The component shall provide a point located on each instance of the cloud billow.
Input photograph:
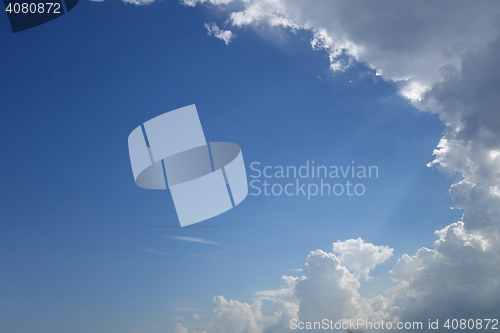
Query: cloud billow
(444, 56)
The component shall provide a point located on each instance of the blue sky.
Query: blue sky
(83, 249)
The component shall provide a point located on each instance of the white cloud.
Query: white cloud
(459, 278)
(225, 35)
(194, 240)
(443, 56)
(180, 329)
(359, 257)
(327, 290)
(285, 293)
(235, 317)
(406, 41)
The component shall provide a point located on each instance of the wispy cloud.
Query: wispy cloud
(225, 35)
(134, 2)
(156, 251)
(186, 309)
(194, 240)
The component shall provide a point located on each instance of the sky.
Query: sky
(411, 88)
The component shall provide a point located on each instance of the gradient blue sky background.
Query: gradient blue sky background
(83, 249)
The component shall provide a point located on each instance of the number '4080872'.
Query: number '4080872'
(471, 324)
(38, 7)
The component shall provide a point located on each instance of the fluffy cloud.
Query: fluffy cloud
(461, 276)
(404, 41)
(359, 257)
(329, 290)
(235, 317)
(180, 329)
(458, 279)
(467, 100)
(444, 58)
(326, 290)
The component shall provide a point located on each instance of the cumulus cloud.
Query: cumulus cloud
(443, 56)
(359, 257)
(235, 317)
(459, 278)
(406, 41)
(180, 329)
(467, 100)
(326, 290)
(284, 304)
(225, 35)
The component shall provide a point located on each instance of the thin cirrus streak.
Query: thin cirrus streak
(194, 240)
(156, 251)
